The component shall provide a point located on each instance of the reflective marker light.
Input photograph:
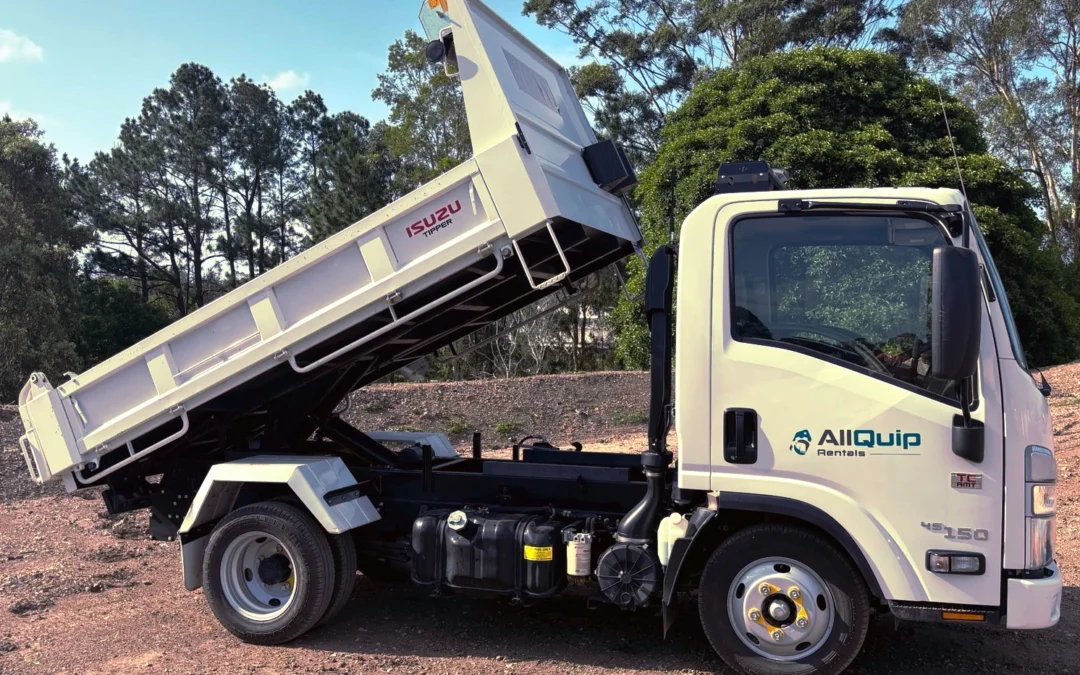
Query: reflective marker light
(962, 616)
(955, 562)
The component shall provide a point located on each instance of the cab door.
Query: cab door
(821, 343)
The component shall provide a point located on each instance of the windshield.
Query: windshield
(854, 288)
(999, 294)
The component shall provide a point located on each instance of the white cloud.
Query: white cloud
(15, 47)
(6, 108)
(287, 80)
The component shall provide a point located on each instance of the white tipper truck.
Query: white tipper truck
(858, 430)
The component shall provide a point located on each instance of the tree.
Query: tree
(110, 317)
(1018, 63)
(841, 118)
(648, 54)
(153, 198)
(39, 236)
(351, 176)
(427, 132)
(311, 128)
(254, 137)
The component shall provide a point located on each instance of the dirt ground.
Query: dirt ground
(84, 592)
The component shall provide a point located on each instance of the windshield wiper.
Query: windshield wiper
(950, 215)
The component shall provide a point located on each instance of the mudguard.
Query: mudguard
(324, 485)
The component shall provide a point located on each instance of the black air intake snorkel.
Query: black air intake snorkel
(639, 525)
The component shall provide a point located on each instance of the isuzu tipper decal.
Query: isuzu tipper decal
(434, 221)
(856, 442)
(440, 219)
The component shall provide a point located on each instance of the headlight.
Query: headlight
(1040, 540)
(1043, 498)
(1041, 474)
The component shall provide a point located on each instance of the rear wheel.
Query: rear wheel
(343, 549)
(778, 599)
(268, 573)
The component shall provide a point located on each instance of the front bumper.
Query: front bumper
(1034, 603)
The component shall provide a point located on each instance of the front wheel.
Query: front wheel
(779, 599)
(268, 572)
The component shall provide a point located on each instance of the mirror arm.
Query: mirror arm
(965, 400)
(968, 435)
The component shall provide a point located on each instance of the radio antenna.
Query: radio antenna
(944, 112)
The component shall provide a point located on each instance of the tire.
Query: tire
(343, 549)
(832, 603)
(268, 573)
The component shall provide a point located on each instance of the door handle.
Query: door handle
(740, 435)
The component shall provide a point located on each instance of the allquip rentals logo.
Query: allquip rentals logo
(857, 442)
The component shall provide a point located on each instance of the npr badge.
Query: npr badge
(967, 481)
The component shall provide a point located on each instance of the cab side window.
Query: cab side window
(854, 289)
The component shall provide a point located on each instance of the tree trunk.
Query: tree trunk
(230, 250)
(261, 229)
(140, 259)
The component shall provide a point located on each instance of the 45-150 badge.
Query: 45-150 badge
(959, 533)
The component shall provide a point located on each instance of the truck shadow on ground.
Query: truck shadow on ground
(402, 620)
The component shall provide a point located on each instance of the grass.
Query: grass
(506, 428)
(456, 427)
(1066, 401)
(628, 417)
(376, 407)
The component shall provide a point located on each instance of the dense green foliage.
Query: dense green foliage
(38, 239)
(842, 118)
(646, 55)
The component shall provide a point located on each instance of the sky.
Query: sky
(80, 68)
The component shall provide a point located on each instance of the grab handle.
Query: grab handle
(562, 256)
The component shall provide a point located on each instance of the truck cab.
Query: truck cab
(807, 388)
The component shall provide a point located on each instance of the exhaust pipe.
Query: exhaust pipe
(639, 525)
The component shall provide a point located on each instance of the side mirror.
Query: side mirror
(956, 313)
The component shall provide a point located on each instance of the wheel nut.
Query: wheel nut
(286, 586)
(262, 557)
(755, 615)
(777, 635)
(801, 622)
(765, 589)
(795, 594)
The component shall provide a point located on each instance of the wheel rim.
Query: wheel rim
(780, 609)
(257, 576)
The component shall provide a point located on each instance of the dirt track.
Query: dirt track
(82, 592)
